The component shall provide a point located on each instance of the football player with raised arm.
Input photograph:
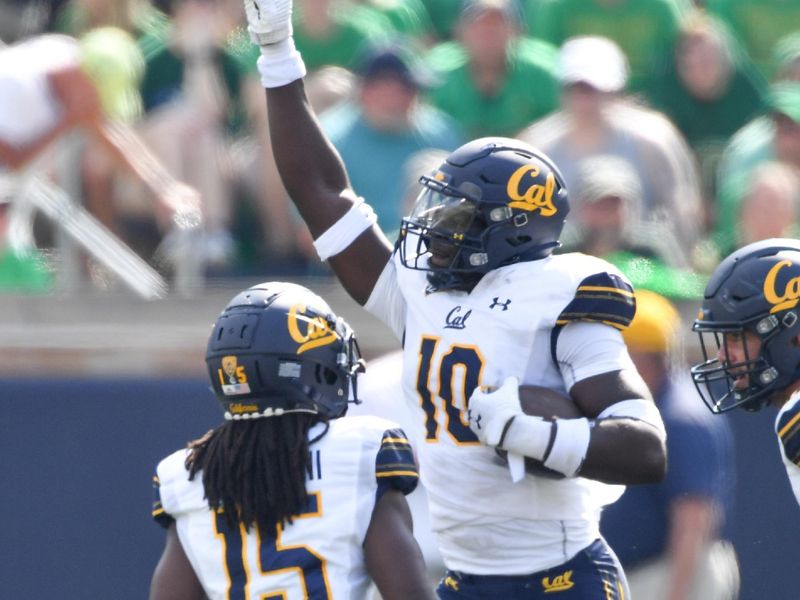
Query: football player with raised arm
(285, 499)
(749, 328)
(474, 293)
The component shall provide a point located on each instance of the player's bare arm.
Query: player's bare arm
(174, 578)
(316, 180)
(310, 167)
(622, 449)
(393, 558)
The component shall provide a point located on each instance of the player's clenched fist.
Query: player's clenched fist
(268, 21)
(490, 413)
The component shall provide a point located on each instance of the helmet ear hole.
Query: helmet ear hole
(325, 375)
(520, 240)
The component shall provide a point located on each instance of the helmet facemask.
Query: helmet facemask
(753, 291)
(449, 232)
(725, 385)
(442, 235)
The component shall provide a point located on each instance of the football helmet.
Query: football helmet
(278, 348)
(755, 289)
(492, 202)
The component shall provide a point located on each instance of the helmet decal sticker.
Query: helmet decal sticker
(232, 377)
(791, 292)
(536, 196)
(309, 332)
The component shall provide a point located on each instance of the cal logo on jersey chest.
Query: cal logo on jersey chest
(457, 317)
(461, 315)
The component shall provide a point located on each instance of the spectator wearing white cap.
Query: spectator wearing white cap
(596, 119)
(644, 29)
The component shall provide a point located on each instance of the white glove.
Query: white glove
(268, 21)
(490, 411)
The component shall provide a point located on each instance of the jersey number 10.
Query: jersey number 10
(459, 359)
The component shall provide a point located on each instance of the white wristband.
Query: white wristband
(527, 435)
(280, 64)
(570, 444)
(344, 232)
(561, 444)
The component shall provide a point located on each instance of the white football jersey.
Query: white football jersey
(318, 556)
(507, 325)
(787, 426)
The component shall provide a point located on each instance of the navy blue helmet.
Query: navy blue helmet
(278, 348)
(493, 202)
(755, 289)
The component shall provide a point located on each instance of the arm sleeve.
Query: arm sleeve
(584, 350)
(386, 302)
(395, 464)
(586, 340)
(160, 516)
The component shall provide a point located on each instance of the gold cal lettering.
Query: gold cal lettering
(317, 331)
(791, 293)
(536, 196)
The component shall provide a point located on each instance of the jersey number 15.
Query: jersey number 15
(274, 559)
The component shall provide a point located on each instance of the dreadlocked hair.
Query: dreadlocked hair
(254, 472)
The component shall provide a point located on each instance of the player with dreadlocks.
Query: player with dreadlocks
(243, 505)
(278, 449)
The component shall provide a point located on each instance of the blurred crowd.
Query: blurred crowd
(676, 126)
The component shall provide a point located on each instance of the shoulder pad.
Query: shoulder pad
(604, 298)
(395, 465)
(788, 429)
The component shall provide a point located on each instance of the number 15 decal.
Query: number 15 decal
(459, 361)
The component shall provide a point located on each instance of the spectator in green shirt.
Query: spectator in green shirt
(644, 29)
(759, 24)
(328, 32)
(492, 80)
(408, 18)
(710, 90)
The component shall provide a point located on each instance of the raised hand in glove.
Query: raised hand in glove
(268, 21)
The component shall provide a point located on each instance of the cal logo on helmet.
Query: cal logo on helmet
(789, 293)
(308, 332)
(536, 195)
(232, 377)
